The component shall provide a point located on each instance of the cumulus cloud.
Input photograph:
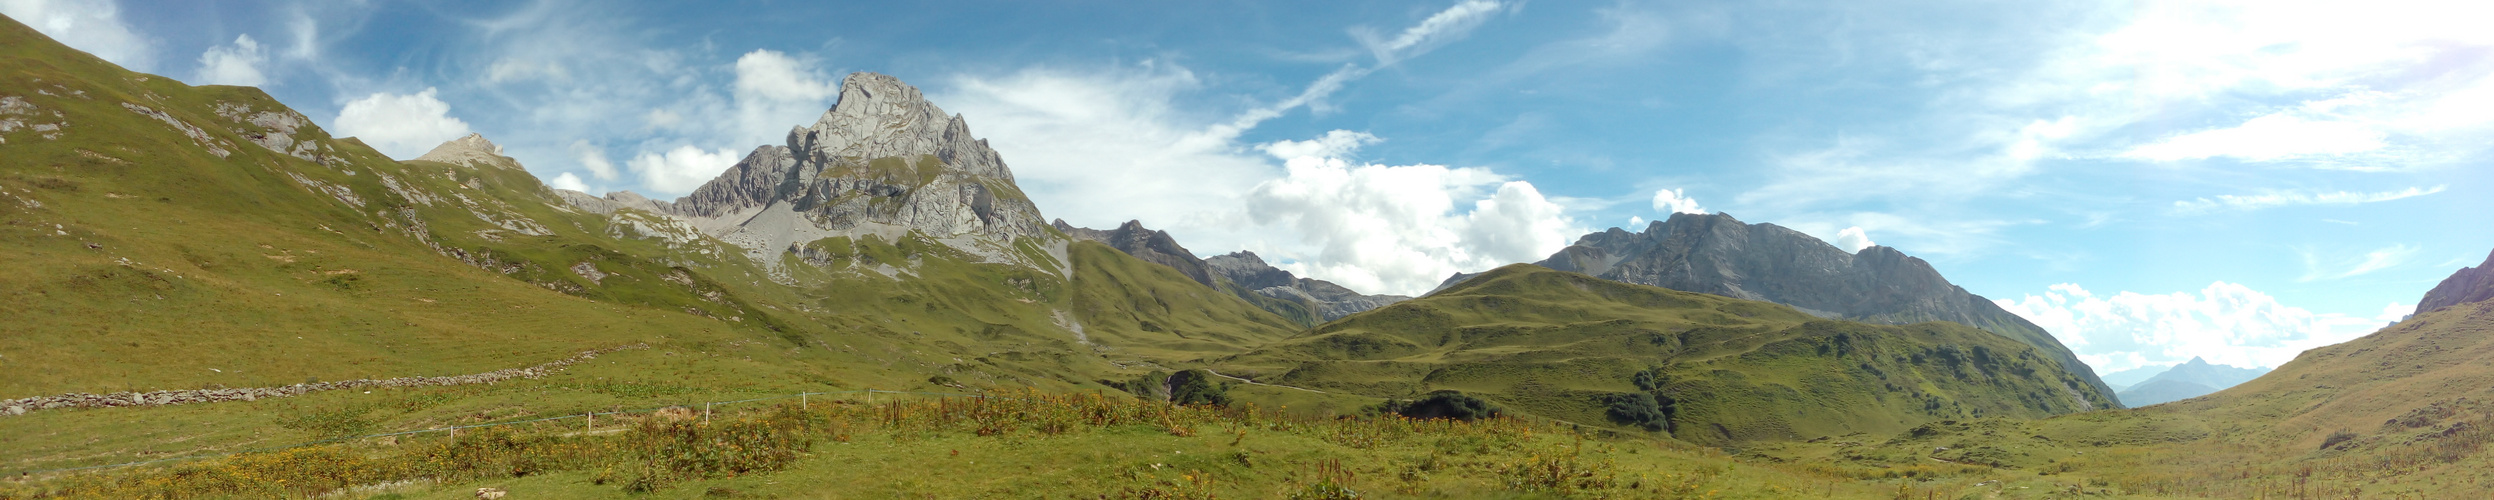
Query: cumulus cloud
(682, 169)
(772, 75)
(1398, 229)
(1440, 28)
(94, 26)
(1853, 239)
(1334, 144)
(237, 64)
(1674, 201)
(2289, 198)
(402, 126)
(567, 180)
(2226, 323)
(593, 158)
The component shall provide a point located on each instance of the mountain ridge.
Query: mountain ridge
(1718, 254)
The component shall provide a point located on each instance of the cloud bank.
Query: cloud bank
(2227, 323)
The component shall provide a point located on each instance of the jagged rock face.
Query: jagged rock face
(1721, 255)
(882, 161)
(885, 155)
(2470, 284)
(472, 150)
(1328, 300)
(753, 182)
(1152, 246)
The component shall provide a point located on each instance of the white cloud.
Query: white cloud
(1334, 144)
(772, 75)
(569, 181)
(1396, 229)
(2376, 260)
(2268, 138)
(593, 158)
(682, 169)
(94, 26)
(1445, 26)
(1853, 239)
(1636, 223)
(2227, 323)
(1674, 201)
(237, 64)
(2286, 198)
(402, 126)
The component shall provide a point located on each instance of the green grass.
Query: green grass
(1557, 345)
(1026, 445)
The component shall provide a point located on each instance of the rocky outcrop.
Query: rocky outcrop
(159, 398)
(2470, 284)
(1720, 255)
(473, 151)
(1327, 300)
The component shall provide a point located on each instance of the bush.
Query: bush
(1196, 387)
(1443, 404)
(1640, 409)
(1190, 387)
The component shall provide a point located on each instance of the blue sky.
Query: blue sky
(2150, 180)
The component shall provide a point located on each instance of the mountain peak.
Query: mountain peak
(469, 150)
(2470, 284)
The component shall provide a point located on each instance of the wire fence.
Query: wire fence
(453, 430)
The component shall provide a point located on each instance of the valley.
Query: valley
(207, 296)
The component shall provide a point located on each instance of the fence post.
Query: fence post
(803, 403)
(454, 434)
(870, 396)
(593, 421)
(705, 413)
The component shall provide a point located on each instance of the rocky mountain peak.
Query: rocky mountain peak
(883, 161)
(2470, 284)
(472, 150)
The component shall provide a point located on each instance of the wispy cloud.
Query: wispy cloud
(1445, 26)
(2289, 198)
(2315, 268)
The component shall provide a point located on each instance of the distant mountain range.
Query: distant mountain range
(1309, 301)
(2185, 381)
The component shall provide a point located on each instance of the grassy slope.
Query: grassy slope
(2409, 405)
(133, 259)
(1552, 343)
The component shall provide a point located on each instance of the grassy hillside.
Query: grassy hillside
(2401, 413)
(1565, 346)
(161, 236)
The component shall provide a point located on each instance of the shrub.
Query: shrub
(1196, 387)
(1640, 409)
(1444, 404)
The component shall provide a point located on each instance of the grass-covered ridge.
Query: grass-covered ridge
(1577, 348)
